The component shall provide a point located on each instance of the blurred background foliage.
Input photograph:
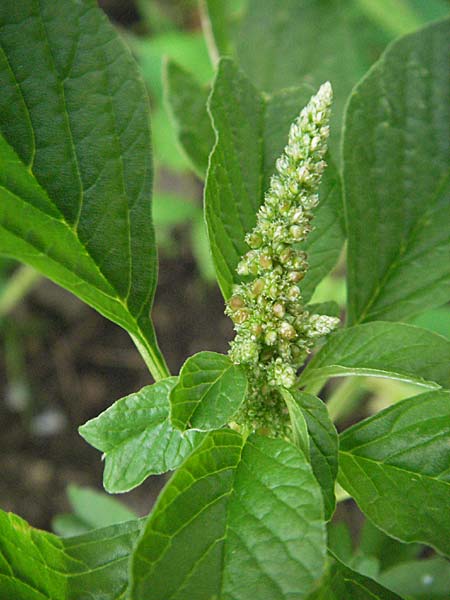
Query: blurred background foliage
(63, 364)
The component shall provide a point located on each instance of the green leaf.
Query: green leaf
(392, 350)
(75, 168)
(396, 146)
(240, 519)
(387, 550)
(187, 100)
(300, 435)
(35, 565)
(218, 20)
(323, 445)
(91, 510)
(419, 579)
(251, 132)
(340, 583)
(437, 319)
(404, 16)
(209, 391)
(396, 466)
(137, 438)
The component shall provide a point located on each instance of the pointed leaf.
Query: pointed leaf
(396, 466)
(323, 445)
(392, 350)
(238, 520)
(35, 565)
(300, 435)
(75, 168)
(396, 148)
(209, 391)
(251, 132)
(137, 438)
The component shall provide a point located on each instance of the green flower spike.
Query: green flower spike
(274, 331)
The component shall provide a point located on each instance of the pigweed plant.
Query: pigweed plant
(258, 463)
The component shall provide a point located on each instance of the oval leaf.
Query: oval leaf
(396, 147)
(396, 466)
(392, 350)
(36, 564)
(209, 392)
(137, 438)
(238, 520)
(241, 164)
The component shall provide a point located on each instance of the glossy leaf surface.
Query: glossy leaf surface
(396, 466)
(137, 438)
(209, 391)
(251, 132)
(75, 160)
(396, 147)
(323, 445)
(392, 350)
(249, 512)
(36, 565)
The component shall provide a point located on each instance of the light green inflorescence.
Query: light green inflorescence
(274, 331)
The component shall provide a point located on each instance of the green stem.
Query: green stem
(18, 286)
(151, 354)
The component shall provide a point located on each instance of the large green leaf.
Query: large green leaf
(35, 565)
(341, 583)
(396, 147)
(137, 438)
(396, 466)
(75, 160)
(240, 519)
(251, 132)
(209, 392)
(323, 446)
(393, 350)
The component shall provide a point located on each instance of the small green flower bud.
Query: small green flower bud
(236, 302)
(297, 232)
(286, 255)
(293, 293)
(278, 310)
(258, 287)
(284, 206)
(295, 276)
(265, 261)
(270, 338)
(254, 240)
(256, 329)
(242, 268)
(273, 291)
(240, 316)
(287, 331)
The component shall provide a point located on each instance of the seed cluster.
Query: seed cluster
(274, 331)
